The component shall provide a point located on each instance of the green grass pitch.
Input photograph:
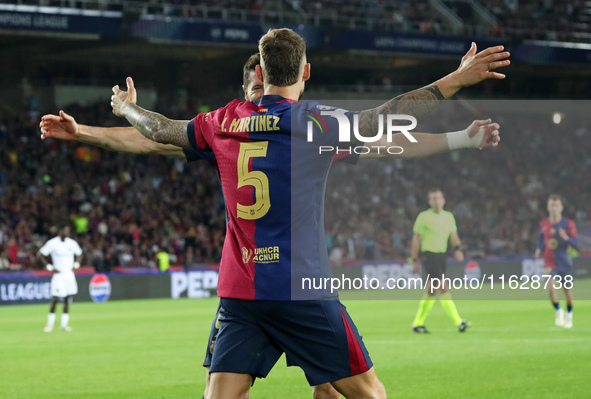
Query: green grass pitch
(153, 349)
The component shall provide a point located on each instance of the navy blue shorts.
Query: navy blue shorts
(318, 336)
(213, 334)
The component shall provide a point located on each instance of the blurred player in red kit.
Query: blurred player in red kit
(557, 233)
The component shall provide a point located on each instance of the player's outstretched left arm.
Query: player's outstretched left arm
(150, 124)
(120, 139)
(480, 134)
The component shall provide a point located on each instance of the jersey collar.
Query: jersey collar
(268, 99)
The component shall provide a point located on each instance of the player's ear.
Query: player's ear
(259, 72)
(307, 68)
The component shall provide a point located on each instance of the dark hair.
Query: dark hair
(434, 190)
(555, 197)
(250, 66)
(282, 52)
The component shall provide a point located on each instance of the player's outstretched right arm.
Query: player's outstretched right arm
(150, 124)
(474, 68)
(120, 139)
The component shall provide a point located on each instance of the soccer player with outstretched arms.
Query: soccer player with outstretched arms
(474, 68)
(128, 139)
(273, 181)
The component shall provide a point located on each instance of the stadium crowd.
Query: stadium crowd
(400, 16)
(127, 208)
(542, 20)
(124, 208)
(524, 19)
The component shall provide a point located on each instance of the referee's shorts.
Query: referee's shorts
(434, 264)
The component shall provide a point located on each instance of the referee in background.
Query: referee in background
(432, 231)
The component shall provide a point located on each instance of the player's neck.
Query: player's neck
(290, 92)
(555, 218)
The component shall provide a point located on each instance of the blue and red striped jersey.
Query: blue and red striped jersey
(273, 180)
(554, 246)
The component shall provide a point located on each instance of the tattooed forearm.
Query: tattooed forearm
(417, 103)
(156, 127)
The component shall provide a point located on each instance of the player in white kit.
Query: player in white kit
(66, 256)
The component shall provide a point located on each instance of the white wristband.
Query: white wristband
(457, 140)
(49, 267)
(76, 265)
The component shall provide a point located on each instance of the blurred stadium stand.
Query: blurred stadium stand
(556, 20)
(560, 20)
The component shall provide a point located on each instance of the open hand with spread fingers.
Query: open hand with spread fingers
(476, 67)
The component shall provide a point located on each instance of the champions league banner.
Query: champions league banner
(191, 30)
(25, 290)
(59, 20)
(407, 43)
(183, 30)
(193, 283)
(543, 52)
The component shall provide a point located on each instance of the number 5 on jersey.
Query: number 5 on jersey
(256, 178)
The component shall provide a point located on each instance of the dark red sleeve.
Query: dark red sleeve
(197, 130)
(201, 129)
